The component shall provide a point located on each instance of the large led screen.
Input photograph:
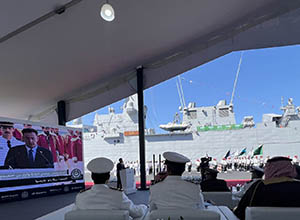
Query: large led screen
(37, 159)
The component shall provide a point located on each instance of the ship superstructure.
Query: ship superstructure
(203, 130)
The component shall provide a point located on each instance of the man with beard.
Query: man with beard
(7, 140)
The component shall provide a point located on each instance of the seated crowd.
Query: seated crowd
(278, 188)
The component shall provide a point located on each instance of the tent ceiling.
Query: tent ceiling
(78, 57)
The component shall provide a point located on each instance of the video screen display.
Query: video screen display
(39, 156)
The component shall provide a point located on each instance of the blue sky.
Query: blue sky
(266, 75)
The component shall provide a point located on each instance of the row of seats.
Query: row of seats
(218, 198)
(252, 213)
(154, 215)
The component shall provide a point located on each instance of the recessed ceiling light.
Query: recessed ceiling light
(107, 12)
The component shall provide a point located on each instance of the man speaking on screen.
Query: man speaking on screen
(29, 155)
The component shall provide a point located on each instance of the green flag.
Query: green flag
(258, 151)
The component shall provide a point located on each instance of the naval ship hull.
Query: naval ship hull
(283, 141)
(211, 130)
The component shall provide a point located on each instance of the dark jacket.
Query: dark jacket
(120, 166)
(215, 185)
(17, 157)
(276, 192)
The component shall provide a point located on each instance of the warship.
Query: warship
(204, 130)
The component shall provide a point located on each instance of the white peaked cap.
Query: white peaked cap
(175, 157)
(100, 165)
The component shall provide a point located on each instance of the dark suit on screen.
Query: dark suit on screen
(17, 157)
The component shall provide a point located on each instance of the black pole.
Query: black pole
(140, 92)
(154, 171)
(159, 156)
(61, 112)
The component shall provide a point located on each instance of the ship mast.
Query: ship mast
(236, 78)
(180, 92)
(180, 99)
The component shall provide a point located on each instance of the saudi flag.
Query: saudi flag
(258, 151)
(243, 152)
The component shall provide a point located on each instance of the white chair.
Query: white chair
(97, 214)
(219, 198)
(224, 211)
(187, 214)
(272, 213)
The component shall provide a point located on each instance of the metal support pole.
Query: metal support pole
(140, 92)
(154, 171)
(61, 113)
(159, 156)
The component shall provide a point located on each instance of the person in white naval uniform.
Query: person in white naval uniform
(7, 140)
(174, 192)
(100, 196)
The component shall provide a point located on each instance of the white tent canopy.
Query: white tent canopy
(78, 57)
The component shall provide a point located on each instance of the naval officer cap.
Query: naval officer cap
(175, 157)
(100, 165)
(6, 124)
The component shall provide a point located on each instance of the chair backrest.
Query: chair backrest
(187, 214)
(97, 214)
(219, 198)
(272, 213)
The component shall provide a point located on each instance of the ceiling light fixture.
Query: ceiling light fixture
(107, 12)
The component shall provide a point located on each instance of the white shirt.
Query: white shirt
(174, 192)
(4, 148)
(100, 196)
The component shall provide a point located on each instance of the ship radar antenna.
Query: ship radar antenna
(236, 78)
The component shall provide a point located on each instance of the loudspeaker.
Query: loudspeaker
(61, 112)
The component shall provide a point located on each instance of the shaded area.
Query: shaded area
(34, 208)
